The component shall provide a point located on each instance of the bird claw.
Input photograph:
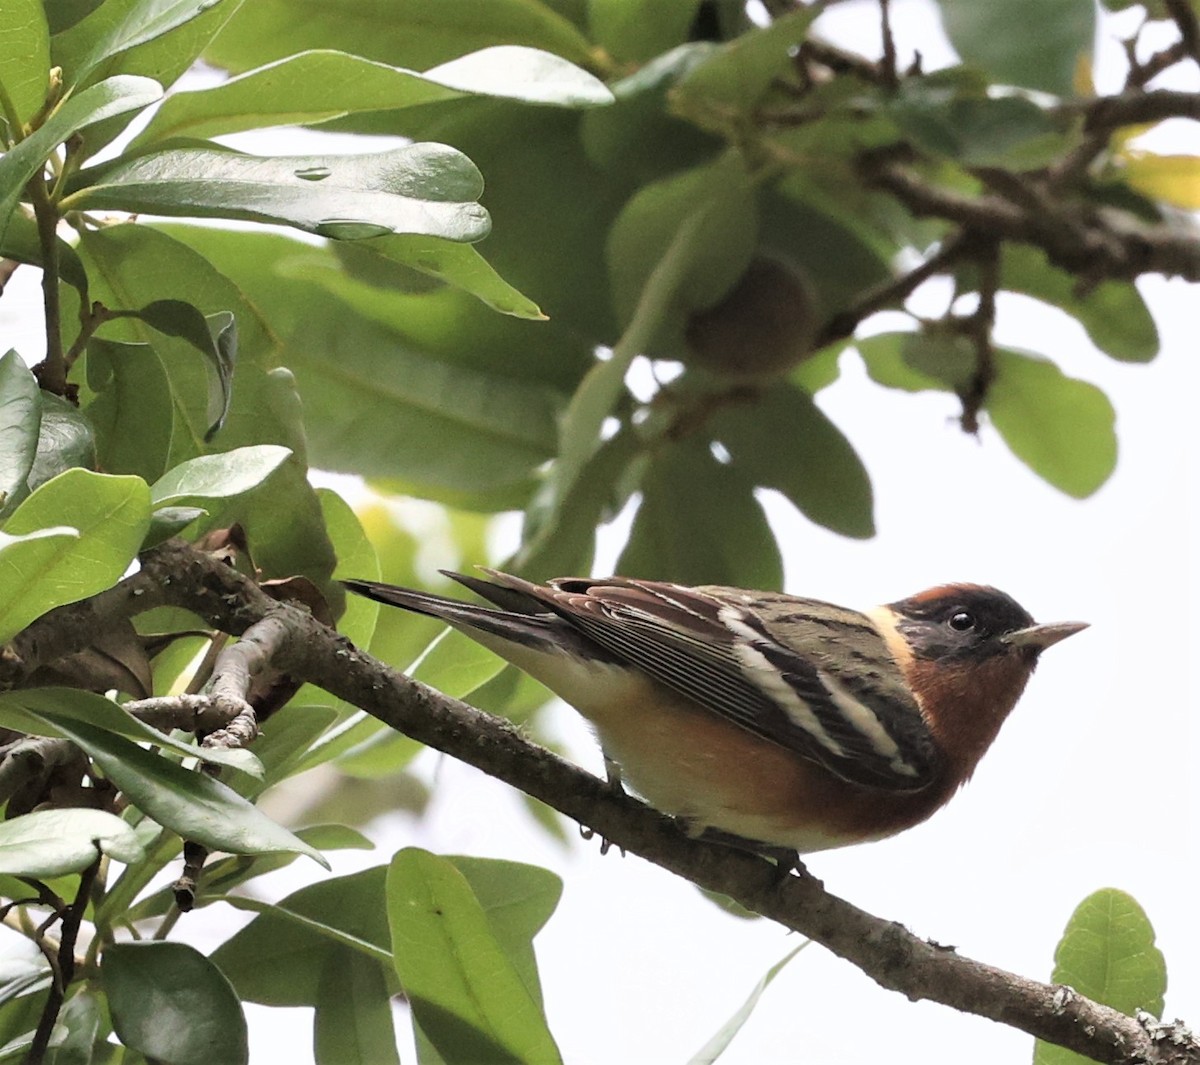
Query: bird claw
(786, 859)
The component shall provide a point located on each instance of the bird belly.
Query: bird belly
(690, 762)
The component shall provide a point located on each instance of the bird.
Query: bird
(760, 718)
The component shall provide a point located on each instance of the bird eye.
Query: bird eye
(962, 621)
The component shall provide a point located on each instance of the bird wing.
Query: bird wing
(815, 679)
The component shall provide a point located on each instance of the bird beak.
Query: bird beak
(1039, 637)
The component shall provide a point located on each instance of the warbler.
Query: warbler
(782, 721)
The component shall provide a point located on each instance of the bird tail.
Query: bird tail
(520, 618)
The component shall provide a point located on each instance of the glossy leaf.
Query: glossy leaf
(21, 243)
(1107, 953)
(25, 57)
(1060, 427)
(214, 336)
(455, 264)
(20, 417)
(172, 1004)
(164, 58)
(66, 440)
(39, 710)
(699, 523)
(133, 410)
(117, 26)
(1056, 34)
(353, 1022)
(219, 476)
(110, 514)
(279, 957)
(136, 264)
(426, 189)
(114, 96)
(1113, 313)
(784, 441)
(194, 805)
(315, 86)
(464, 991)
(49, 843)
(412, 32)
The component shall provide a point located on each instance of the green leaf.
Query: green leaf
(1113, 313)
(682, 533)
(455, 664)
(719, 1043)
(214, 336)
(1055, 35)
(315, 86)
(169, 1002)
(20, 418)
(738, 74)
(23, 559)
(38, 711)
(117, 26)
(426, 189)
(517, 899)
(21, 242)
(784, 441)
(464, 991)
(716, 255)
(165, 58)
(134, 409)
(1006, 131)
(111, 516)
(220, 476)
(1060, 427)
(279, 957)
(413, 32)
(66, 440)
(455, 264)
(378, 407)
(638, 30)
(136, 264)
(1107, 953)
(560, 531)
(884, 357)
(353, 1023)
(115, 96)
(50, 843)
(195, 806)
(25, 58)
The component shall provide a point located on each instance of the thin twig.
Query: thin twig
(891, 293)
(71, 922)
(887, 65)
(979, 329)
(1189, 29)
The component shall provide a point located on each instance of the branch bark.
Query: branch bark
(178, 575)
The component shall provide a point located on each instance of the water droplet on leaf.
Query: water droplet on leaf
(350, 229)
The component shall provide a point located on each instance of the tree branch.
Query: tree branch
(176, 574)
(1095, 243)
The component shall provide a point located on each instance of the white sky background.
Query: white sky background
(1090, 784)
